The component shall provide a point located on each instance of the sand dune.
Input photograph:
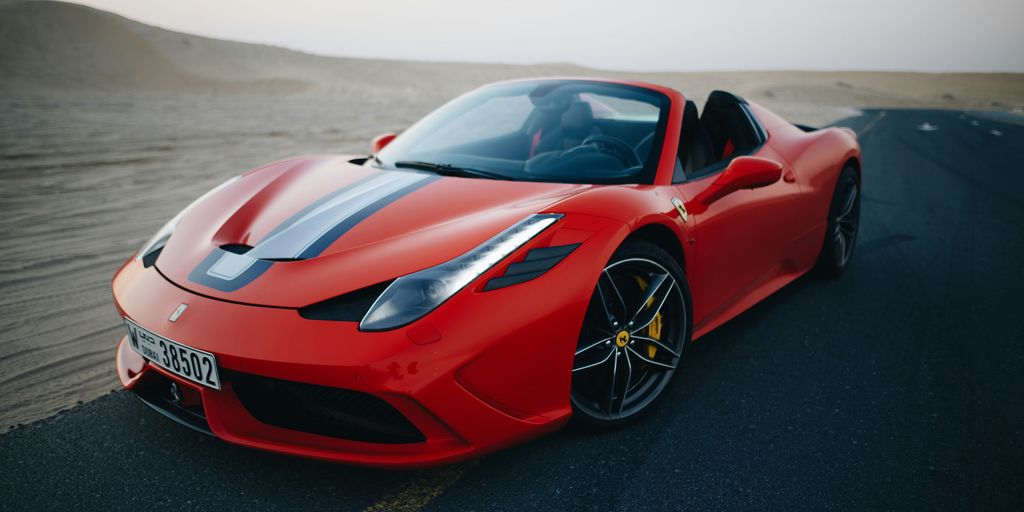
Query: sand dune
(108, 127)
(58, 48)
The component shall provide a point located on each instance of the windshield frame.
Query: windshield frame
(645, 176)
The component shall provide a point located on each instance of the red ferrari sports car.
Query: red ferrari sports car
(532, 252)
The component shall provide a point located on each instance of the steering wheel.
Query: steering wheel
(615, 147)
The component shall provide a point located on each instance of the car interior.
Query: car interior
(569, 136)
(709, 141)
(566, 136)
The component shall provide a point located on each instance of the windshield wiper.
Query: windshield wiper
(448, 169)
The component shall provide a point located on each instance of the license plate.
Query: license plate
(193, 364)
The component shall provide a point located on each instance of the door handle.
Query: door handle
(789, 177)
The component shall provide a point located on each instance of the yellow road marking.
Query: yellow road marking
(421, 489)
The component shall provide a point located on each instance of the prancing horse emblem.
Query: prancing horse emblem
(175, 393)
(177, 312)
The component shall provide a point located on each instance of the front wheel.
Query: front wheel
(632, 337)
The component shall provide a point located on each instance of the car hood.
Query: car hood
(308, 229)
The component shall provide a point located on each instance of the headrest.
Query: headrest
(550, 102)
(690, 119)
(578, 120)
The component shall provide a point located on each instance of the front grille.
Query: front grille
(185, 408)
(322, 410)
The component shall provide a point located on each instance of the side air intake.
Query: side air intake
(351, 307)
(536, 263)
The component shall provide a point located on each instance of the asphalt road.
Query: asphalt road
(898, 386)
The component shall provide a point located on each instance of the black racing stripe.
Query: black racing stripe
(150, 258)
(325, 241)
(199, 274)
(316, 204)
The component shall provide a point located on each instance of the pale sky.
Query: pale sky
(661, 35)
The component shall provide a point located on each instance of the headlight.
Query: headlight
(152, 247)
(413, 296)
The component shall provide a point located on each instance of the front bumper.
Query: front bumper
(485, 371)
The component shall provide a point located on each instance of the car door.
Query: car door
(741, 241)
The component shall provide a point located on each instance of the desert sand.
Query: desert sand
(108, 127)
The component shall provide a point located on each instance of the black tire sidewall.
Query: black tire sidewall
(827, 266)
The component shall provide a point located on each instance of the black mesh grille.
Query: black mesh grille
(155, 391)
(323, 410)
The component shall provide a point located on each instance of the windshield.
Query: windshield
(572, 131)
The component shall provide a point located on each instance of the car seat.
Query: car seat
(698, 151)
(577, 123)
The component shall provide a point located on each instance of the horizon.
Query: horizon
(462, 34)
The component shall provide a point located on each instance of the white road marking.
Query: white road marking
(871, 124)
(927, 127)
(997, 133)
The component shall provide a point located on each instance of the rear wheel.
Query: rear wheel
(632, 338)
(843, 225)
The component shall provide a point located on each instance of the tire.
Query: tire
(843, 226)
(632, 337)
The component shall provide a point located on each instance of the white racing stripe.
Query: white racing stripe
(291, 241)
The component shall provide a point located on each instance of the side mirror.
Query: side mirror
(749, 172)
(379, 142)
(744, 172)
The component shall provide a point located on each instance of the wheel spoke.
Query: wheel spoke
(604, 305)
(641, 323)
(841, 247)
(622, 302)
(847, 227)
(592, 345)
(599, 363)
(656, 342)
(851, 199)
(649, 360)
(652, 288)
(611, 387)
(625, 387)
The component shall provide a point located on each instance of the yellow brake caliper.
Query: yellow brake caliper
(653, 330)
